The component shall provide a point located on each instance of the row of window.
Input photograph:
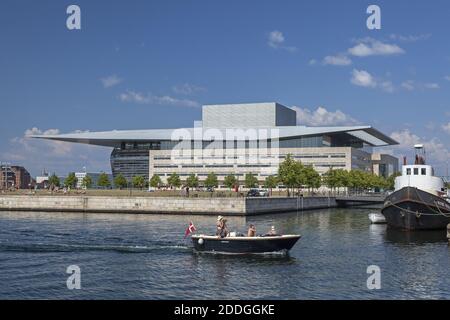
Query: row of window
(423, 171)
(171, 166)
(168, 166)
(296, 156)
(202, 174)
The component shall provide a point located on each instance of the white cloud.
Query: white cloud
(447, 78)
(110, 81)
(405, 138)
(387, 86)
(339, 60)
(312, 62)
(437, 152)
(431, 86)
(149, 98)
(363, 78)
(446, 127)
(276, 40)
(371, 47)
(408, 85)
(187, 89)
(410, 38)
(322, 117)
(55, 156)
(36, 131)
(411, 85)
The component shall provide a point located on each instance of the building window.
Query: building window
(416, 171)
(423, 171)
(408, 171)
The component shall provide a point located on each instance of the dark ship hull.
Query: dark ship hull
(414, 209)
(244, 245)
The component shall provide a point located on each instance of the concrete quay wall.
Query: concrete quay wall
(170, 205)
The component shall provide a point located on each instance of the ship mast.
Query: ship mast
(420, 154)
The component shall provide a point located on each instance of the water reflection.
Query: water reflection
(415, 237)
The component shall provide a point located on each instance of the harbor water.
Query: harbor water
(127, 256)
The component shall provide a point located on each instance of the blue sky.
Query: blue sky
(152, 64)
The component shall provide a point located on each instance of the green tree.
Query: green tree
(174, 180)
(53, 180)
(291, 173)
(230, 181)
(330, 179)
(120, 181)
(250, 181)
(192, 181)
(342, 178)
(103, 180)
(271, 182)
(86, 183)
(211, 180)
(381, 182)
(155, 181)
(356, 180)
(286, 173)
(138, 182)
(71, 180)
(390, 181)
(312, 178)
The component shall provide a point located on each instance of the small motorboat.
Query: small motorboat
(244, 245)
(377, 218)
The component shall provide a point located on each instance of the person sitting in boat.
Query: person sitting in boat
(272, 231)
(251, 231)
(222, 230)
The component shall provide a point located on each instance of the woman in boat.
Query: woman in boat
(222, 230)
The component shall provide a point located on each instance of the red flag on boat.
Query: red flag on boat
(190, 229)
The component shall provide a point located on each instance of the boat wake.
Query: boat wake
(44, 247)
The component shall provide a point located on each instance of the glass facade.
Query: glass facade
(130, 163)
(303, 142)
(132, 158)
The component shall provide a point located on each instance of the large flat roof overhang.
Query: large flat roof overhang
(115, 138)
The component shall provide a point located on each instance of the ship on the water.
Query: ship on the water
(420, 200)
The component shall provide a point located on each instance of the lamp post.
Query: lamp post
(2, 175)
(130, 187)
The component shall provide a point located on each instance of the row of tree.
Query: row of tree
(211, 181)
(103, 181)
(291, 173)
(357, 180)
